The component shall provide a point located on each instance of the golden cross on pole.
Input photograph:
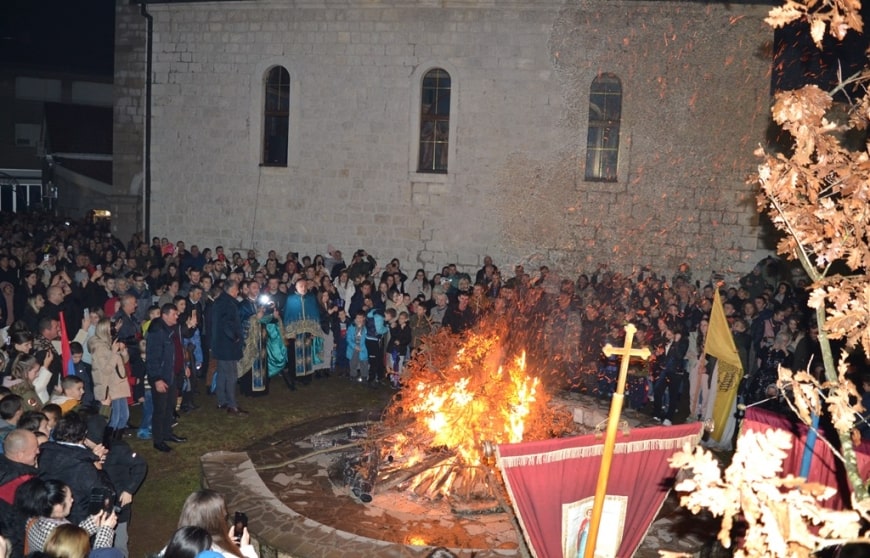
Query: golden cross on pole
(610, 438)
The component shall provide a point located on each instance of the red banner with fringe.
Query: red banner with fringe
(825, 468)
(552, 485)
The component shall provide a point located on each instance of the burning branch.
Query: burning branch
(462, 393)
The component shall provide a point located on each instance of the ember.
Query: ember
(461, 396)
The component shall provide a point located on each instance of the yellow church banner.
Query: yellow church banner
(720, 344)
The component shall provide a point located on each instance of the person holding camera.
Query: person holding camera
(126, 470)
(129, 332)
(264, 353)
(53, 507)
(208, 510)
(111, 388)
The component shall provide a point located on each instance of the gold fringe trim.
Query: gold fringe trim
(303, 326)
(594, 451)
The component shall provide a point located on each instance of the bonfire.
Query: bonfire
(461, 397)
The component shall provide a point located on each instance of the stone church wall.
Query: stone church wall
(127, 128)
(695, 81)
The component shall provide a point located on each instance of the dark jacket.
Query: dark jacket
(126, 469)
(361, 267)
(74, 466)
(13, 474)
(13, 524)
(160, 352)
(226, 329)
(458, 320)
(673, 361)
(400, 338)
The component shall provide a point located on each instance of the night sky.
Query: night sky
(78, 35)
(798, 62)
(58, 35)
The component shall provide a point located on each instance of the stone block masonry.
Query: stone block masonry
(693, 90)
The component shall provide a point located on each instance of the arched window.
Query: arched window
(434, 121)
(276, 114)
(602, 142)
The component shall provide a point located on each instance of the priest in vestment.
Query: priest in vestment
(302, 330)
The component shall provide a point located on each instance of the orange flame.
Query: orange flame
(477, 400)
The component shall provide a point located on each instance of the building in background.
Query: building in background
(535, 130)
(56, 110)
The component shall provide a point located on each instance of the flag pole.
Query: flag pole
(610, 437)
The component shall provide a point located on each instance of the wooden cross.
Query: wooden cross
(610, 438)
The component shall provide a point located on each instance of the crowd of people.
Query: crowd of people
(154, 323)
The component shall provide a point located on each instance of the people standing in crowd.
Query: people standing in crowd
(400, 343)
(45, 352)
(672, 373)
(128, 330)
(111, 387)
(328, 310)
(18, 462)
(459, 316)
(356, 351)
(30, 316)
(226, 343)
(164, 365)
(72, 458)
(375, 329)
(602, 305)
(19, 341)
(126, 470)
(438, 311)
(302, 329)
(253, 373)
(421, 325)
(197, 343)
(29, 288)
(27, 380)
(55, 508)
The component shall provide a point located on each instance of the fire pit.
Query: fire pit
(437, 438)
(325, 485)
(420, 475)
(423, 474)
(296, 510)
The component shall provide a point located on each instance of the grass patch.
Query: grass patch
(173, 476)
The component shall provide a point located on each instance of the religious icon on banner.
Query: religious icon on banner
(575, 527)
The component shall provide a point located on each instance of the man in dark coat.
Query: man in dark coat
(459, 316)
(226, 346)
(126, 469)
(164, 366)
(73, 463)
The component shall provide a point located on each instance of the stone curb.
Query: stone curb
(284, 533)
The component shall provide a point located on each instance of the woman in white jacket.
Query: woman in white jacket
(346, 288)
(420, 286)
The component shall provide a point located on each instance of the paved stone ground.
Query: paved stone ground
(297, 509)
